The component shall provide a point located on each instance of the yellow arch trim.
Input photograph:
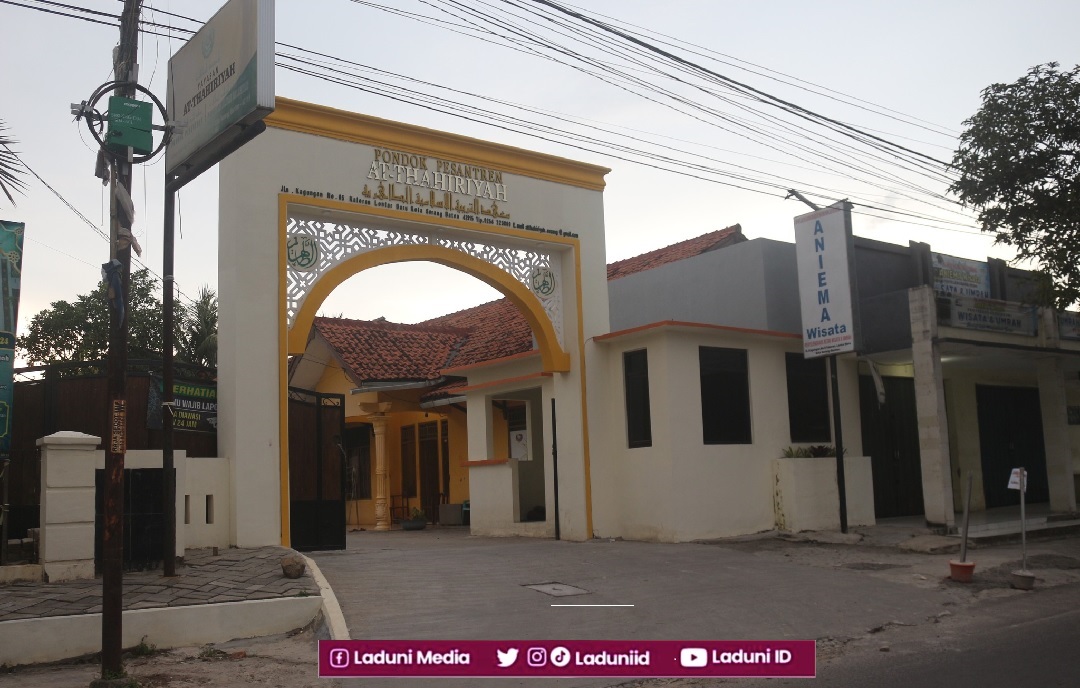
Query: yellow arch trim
(554, 359)
(319, 120)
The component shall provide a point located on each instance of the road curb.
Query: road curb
(335, 620)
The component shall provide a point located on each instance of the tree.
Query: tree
(79, 331)
(198, 341)
(10, 166)
(1019, 167)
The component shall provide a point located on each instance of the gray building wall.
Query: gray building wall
(752, 284)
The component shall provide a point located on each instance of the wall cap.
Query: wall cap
(68, 437)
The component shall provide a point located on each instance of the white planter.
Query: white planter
(805, 495)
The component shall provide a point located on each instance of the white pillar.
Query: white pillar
(67, 505)
(1059, 472)
(252, 397)
(382, 477)
(930, 410)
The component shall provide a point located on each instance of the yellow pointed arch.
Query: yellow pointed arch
(553, 358)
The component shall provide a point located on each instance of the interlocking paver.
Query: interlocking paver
(234, 575)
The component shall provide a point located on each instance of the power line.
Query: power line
(529, 34)
(707, 52)
(591, 143)
(778, 102)
(82, 217)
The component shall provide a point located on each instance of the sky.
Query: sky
(926, 60)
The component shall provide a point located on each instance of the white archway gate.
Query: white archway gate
(324, 194)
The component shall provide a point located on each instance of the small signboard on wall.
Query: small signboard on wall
(993, 316)
(960, 277)
(1068, 325)
(519, 445)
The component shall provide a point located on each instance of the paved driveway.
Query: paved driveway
(446, 584)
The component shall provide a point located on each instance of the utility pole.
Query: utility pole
(112, 579)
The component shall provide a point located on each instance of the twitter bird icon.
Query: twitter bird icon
(507, 658)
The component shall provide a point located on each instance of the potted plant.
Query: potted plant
(417, 520)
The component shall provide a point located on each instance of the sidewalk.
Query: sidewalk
(236, 593)
(232, 576)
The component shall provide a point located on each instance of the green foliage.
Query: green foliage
(119, 676)
(209, 653)
(1019, 167)
(143, 649)
(198, 340)
(10, 167)
(79, 330)
(813, 451)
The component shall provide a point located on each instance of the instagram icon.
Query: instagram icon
(339, 658)
(537, 656)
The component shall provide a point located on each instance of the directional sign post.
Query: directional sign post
(1018, 481)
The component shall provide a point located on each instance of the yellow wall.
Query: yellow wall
(500, 434)
(361, 513)
(459, 454)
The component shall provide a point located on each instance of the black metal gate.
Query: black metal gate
(1010, 436)
(890, 436)
(316, 470)
(144, 520)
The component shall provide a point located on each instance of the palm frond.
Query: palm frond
(10, 166)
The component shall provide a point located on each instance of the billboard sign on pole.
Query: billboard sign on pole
(11, 248)
(220, 81)
(824, 257)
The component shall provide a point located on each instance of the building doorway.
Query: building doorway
(1010, 436)
(890, 434)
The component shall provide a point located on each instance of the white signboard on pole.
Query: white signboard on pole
(1014, 479)
(824, 257)
(220, 80)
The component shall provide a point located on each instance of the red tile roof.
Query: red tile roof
(381, 350)
(497, 329)
(446, 390)
(669, 254)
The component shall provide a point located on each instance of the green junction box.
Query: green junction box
(129, 125)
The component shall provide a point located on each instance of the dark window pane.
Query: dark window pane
(725, 396)
(358, 449)
(636, 379)
(444, 433)
(408, 460)
(808, 399)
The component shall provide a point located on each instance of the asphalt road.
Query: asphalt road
(1027, 640)
(888, 627)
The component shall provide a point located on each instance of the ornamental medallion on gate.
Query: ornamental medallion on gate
(314, 247)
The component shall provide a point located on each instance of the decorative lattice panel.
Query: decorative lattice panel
(316, 246)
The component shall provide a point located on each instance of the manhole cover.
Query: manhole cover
(557, 589)
(873, 566)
